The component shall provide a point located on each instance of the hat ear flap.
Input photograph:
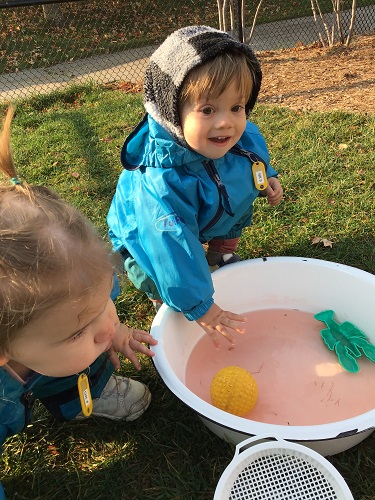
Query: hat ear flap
(257, 81)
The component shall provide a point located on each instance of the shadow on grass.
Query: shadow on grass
(167, 454)
(164, 459)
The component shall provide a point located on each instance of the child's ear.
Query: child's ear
(3, 360)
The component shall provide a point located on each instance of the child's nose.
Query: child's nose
(105, 333)
(225, 121)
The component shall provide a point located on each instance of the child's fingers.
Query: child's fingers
(113, 358)
(234, 316)
(134, 360)
(234, 324)
(213, 337)
(149, 339)
(234, 321)
(213, 334)
(137, 346)
(143, 336)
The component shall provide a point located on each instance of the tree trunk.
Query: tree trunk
(53, 13)
(352, 20)
(254, 21)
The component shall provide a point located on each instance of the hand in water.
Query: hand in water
(216, 321)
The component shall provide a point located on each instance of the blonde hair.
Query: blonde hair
(212, 78)
(48, 249)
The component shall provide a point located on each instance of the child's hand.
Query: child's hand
(274, 191)
(218, 321)
(127, 341)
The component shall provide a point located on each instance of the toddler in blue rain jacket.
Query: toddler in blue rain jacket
(188, 173)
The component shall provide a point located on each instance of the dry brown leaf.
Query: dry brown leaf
(317, 239)
(327, 243)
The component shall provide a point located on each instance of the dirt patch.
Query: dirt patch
(321, 79)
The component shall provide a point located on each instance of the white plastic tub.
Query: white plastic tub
(309, 285)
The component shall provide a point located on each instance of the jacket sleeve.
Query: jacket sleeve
(163, 237)
(170, 238)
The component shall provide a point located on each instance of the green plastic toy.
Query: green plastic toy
(346, 340)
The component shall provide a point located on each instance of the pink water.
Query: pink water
(299, 379)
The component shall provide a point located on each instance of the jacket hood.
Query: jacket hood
(151, 145)
(168, 66)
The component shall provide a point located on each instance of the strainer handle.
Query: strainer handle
(254, 440)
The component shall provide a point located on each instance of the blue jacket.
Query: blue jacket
(59, 396)
(170, 199)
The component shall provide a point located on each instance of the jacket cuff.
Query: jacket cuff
(199, 311)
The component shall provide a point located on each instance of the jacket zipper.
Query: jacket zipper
(223, 195)
(252, 157)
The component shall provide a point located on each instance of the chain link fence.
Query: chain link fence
(47, 45)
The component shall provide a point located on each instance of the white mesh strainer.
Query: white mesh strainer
(270, 468)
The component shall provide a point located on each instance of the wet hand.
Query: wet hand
(218, 322)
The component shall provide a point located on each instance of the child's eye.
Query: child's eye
(237, 108)
(207, 111)
(77, 335)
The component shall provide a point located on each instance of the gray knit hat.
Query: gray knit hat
(168, 66)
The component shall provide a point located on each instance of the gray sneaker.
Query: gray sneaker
(122, 399)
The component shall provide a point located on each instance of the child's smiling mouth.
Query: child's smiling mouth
(220, 139)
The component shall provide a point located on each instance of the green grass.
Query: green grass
(102, 27)
(168, 453)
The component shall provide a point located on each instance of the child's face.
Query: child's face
(67, 338)
(212, 127)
